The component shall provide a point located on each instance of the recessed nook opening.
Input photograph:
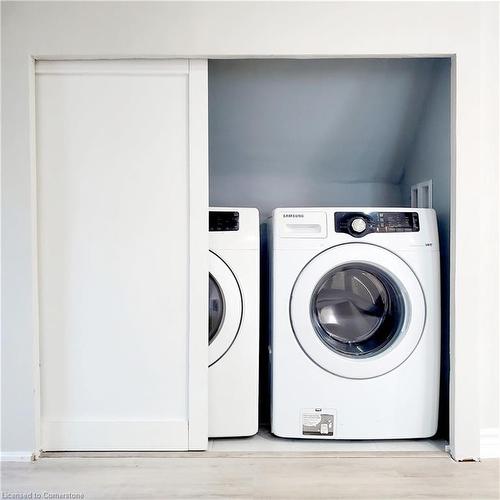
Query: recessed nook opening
(333, 132)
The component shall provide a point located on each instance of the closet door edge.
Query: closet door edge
(198, 255)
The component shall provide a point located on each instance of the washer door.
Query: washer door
(357, 310)
(225, 308)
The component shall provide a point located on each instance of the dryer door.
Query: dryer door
(225, 308)
(357, 310)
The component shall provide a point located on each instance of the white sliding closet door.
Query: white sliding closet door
(122, 254)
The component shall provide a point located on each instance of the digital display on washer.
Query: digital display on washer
(223, 221)
(359, 224)
(408, 221)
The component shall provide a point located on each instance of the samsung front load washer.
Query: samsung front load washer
(233, 322)
(355, 340)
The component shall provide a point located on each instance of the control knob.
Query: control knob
(358, 225)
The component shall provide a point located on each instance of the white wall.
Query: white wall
(488, 262)
(164, 29)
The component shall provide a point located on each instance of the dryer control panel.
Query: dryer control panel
(223, 221)
(359, 224)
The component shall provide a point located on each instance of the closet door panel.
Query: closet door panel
(114, 218)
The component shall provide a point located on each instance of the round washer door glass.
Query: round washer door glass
(357, 309)
(215, 308)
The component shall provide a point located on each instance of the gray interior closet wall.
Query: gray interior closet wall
(330, 132)
(429, 159)
(304, 132)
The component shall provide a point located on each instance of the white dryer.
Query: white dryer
(355, 346)
(233, 323)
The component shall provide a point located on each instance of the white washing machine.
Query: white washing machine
(233, 323)
(355, 346)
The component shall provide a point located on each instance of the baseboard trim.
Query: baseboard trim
(17, 456)
(490, 442)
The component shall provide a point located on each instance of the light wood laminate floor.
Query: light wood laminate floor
(233, 475)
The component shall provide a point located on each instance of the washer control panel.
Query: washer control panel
(223, 221)
(359, 224)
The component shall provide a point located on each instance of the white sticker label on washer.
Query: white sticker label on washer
(318, 421)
